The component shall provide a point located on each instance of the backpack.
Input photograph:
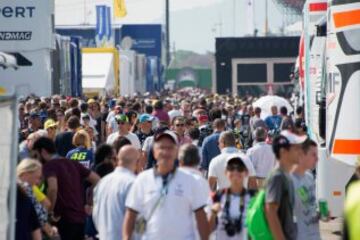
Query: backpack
(256, 221)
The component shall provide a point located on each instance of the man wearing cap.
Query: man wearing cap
(50, 126)
(123, 130)
(170, 199)
(261, 155)
(34, 122)
(280, 193)
(145, 127)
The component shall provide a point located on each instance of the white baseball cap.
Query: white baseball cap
(293, 138)
(167, 133)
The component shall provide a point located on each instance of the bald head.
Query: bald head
(128, 156)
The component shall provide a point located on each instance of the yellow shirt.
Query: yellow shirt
(352, 210)
(38, 194)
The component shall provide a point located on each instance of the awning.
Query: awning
(98, 72)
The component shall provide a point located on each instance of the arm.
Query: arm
(213, 216)
(129, 223)
(36, 234)
(52, 192)
(252, 184)
(212, 183)
(202, 224)
(273, 220)
(93, 178)
(46, 203)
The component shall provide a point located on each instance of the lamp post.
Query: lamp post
(167, 16)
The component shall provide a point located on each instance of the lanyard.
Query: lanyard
(241, 205)
(163, 192)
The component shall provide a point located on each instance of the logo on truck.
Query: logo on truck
(16, 12)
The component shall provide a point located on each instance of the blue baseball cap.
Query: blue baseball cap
(146, 118)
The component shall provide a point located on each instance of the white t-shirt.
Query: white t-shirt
(263, 159)
(173, 217)
(205, 189)
(131, 136)
(218, 166)
(109, 203)
(234, 211)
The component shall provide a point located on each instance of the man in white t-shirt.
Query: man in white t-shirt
(166, 197)
(262, 156)
(123, 124)
(217, 178)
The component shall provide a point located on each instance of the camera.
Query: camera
(232, 227)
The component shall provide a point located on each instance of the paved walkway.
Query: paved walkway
(331, 230)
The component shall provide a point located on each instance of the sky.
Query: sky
(194, 24)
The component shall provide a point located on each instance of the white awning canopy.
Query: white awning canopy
(98, 72)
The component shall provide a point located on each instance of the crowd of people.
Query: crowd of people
(182, 165)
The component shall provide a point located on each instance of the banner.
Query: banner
(119, 8)
(100, 23)
(103, 26)
(26, 25)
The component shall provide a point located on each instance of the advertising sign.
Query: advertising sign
(147, 38)
(26, 25)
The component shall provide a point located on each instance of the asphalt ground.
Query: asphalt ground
(331, 230)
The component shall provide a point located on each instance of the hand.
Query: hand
(88, 209)
(53, 218)
(216, 207)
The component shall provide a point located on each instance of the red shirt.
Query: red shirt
(161, 115)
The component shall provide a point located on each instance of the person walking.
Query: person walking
(110, 195)
(63, 140)
(228, 210)
(164, 196)
(64, 179)
(262, 157)
(123, 123)
(217, 178)
(210, 146)
(279, 190)
(305, 193)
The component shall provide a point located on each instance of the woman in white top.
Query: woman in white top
(228, 211)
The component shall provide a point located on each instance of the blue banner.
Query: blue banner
(101, 22)
(108, 23)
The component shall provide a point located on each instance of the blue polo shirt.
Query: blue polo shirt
(210, 149)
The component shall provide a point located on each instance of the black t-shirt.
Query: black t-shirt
(26, 218)
(63, 143)
(142, 136)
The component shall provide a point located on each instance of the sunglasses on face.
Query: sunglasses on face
(179, 125)
(121, 123)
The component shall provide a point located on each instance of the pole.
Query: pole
(266, 18)
(234, 17)
(167, 13)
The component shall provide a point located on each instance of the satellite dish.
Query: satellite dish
(127, 43)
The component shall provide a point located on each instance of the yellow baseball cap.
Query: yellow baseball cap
(90, 101)
(49, 124)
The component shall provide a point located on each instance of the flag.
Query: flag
(119, 8)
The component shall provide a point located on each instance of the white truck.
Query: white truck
(332, 80)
